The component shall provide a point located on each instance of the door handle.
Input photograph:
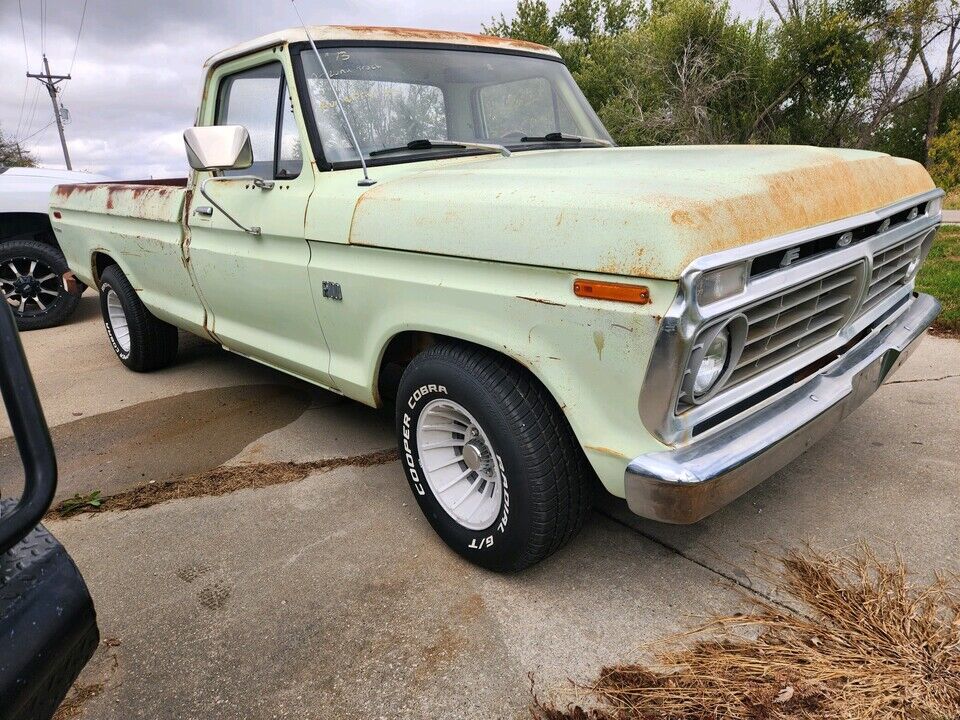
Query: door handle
(204, 210)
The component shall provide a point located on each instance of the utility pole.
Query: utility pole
(51, 82)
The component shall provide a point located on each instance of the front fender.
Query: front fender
(591, 355)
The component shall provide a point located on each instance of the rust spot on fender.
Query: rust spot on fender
(356, 209)
(599, 342)
(606, 451)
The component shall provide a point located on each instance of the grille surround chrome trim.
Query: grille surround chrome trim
(685, 318)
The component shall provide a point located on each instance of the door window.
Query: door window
(259, 100)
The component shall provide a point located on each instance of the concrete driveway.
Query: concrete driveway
(330, 597)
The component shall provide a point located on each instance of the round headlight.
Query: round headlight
(713, 362)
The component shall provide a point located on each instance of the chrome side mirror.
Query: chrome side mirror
(218, 147)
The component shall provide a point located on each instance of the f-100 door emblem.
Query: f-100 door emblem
(331, 290)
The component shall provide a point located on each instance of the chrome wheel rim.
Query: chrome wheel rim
(29, 286)
(118, 321)
(460, 464)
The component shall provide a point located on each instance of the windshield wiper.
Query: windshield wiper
(564, 137)
(425, 144)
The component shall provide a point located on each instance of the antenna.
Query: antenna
(366, 182)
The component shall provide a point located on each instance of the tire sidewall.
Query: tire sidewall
(500, 545)
(126, 357)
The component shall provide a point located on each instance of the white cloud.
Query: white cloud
(137, 75)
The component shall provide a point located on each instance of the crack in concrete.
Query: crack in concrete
(919, 380)
(720, 573)
(220, 481)
(74, 704)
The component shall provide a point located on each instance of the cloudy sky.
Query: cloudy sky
(137, 69)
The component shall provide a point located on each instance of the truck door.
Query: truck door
(255, 286)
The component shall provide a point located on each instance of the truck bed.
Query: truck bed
(137, 225)
(148, 199)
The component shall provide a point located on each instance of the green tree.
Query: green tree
(855, 73)
(822, 64)
(692, 74)
(531, 22)
(581, 18)
(945, 158)
(903, 131)
(12, 155)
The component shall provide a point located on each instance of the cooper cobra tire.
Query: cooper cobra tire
(31, 278)
(469, 419)
(142, 341)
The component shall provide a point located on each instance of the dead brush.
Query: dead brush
(868, 643)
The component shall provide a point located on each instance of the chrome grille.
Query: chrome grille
(842, 281)
(890, 268)
(782, 326)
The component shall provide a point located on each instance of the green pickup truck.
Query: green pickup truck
(540, 307)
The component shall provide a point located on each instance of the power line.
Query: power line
(83, 14)
(33, 110)
(76, 47)
(23, 104)
(26, 62)
(37, 132)
(47, 79)
(23, 33)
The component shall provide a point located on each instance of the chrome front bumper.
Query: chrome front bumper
(686, 484)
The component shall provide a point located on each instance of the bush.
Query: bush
(945, 158)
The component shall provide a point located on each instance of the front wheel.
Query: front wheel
(490, 458)
(31, 279)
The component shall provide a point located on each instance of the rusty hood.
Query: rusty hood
(644, 212)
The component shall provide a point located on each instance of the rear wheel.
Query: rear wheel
(31, 280)
(142, 341)
(490, 458)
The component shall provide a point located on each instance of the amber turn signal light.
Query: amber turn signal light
(601, 290)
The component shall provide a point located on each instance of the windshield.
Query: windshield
(396, 96)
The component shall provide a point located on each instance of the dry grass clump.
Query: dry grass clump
(868, 644)
(218, 481)
(72, 706)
